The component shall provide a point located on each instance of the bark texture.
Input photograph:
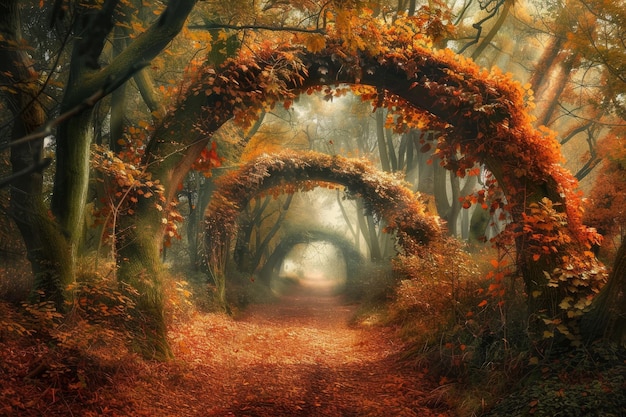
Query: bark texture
(46, 246)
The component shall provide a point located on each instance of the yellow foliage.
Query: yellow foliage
(315, 43)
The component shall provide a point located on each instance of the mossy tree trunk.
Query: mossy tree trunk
(140, 236)
(140, 266)
(169, 157)
(52, 243)
(45, 244)
(89, 82)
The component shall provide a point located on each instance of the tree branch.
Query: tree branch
(36, 167)
(143, 49)
(479, 25)
(90, 101)
(213, 26)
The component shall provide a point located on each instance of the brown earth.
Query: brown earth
(299, 356)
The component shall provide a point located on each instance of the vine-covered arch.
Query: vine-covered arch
(353, 258)
(481, 115)
(381, 193)
(482, 118)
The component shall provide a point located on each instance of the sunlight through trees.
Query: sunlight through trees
(451, 170)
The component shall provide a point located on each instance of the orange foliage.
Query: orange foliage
(207, 160)
(607, 200)
(481, 116)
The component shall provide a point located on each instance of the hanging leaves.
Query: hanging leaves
(207, 160)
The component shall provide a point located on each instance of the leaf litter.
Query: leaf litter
(300, 356)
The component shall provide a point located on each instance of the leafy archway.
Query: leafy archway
(482, 118)
(293, 171)
(350, 254)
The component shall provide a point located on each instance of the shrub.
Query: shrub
(582, 383)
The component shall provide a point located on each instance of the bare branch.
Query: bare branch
(87, 103)
(212, 26)
(479, 25)
(36, 167)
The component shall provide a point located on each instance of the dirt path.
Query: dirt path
(297, 357)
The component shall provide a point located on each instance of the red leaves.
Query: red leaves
(207, 160)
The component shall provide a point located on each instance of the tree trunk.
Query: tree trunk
(468, 187)
(455, 207)
(140, 266)
(402, 151)
(391, 152)
(118, 101)
(552, 97)
(441, 192)
(346, 218)
(86, 79)
(465, 224)
(242, 253)
(607, 316)
(375, 250)
(264, 245)
(382, 145)
(426, 176)
(478, 224)
(72, 179)
(46, 247)
(138, 256)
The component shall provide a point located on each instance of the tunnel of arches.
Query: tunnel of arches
(316, 266)
(314, 259)
(290, 171)
(481, 118)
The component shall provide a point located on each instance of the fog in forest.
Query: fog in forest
(317, 266)
(321, 207)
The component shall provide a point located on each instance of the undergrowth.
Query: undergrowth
(69, 355)
(466, 324)
(585, 382)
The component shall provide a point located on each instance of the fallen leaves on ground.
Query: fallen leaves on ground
(295, 357)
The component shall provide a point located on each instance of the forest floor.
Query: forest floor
(299, 356)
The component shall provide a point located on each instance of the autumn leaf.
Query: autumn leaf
(315, 43)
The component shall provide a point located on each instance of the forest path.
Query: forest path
(296, 357)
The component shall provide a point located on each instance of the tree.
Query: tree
(606, 213)
(598, 38)
(43, 239)
(52, 243)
